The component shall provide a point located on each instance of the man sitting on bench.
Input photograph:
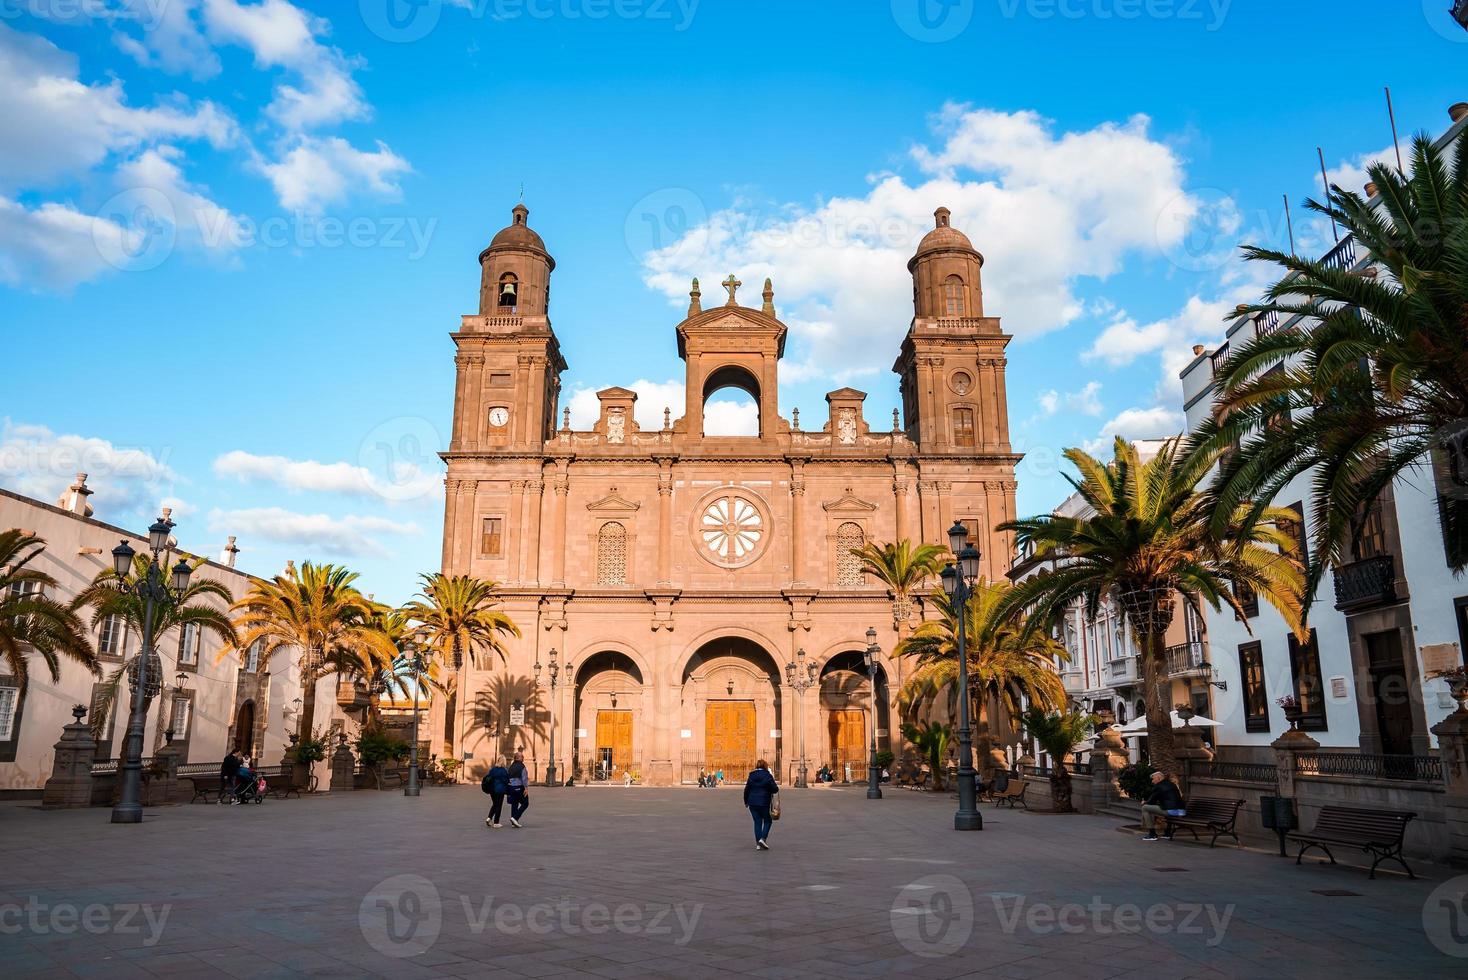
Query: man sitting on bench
(1164, 801)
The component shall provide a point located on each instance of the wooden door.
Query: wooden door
(1391, 691)
(614, 739)
(848, 742)
(729, 742)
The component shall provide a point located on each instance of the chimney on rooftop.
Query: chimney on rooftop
(75, 497)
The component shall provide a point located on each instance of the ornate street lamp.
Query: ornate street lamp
(145, 673)
(959, 580)
(874, 773)
(555, 669)
(800, 676)
(415, 663)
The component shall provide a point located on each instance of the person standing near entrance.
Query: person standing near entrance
(496, 784)
(519, 789)
(759, 793)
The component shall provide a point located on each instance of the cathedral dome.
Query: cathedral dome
(943, 236)
(518, 234)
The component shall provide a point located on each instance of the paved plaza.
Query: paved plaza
(619, 882)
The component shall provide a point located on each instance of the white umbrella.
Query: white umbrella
(1138, 725)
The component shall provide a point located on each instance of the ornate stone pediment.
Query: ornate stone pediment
(849, 503)
(613, 505)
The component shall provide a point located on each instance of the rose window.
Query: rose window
(732, 529)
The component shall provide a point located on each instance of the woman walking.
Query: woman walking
(519, 789)
(759, 793)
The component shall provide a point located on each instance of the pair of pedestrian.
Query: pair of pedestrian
(760, 797)
(513, 781)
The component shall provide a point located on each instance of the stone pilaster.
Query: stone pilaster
(1108, 758)
(1452, 740)
(1286, 748)
(343, 766)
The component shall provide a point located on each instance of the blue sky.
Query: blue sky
(235, 235)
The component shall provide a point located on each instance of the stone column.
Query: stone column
(665, 521)
(164, 785)
(1108, 758)
(70, 784)
(1286, 748)
(1188, 747)
(899, 505)
(450, 516)
(474, 421)
(797, 523)
(461, 395)
(343, 765)
(514, 519)
(532, 541)
(1452, 740)
(562, 488)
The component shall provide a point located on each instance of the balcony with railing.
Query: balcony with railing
(1218, 359)
(1187, 659)
(1343, 256)
(1267, 323)
(1368, 582)
(1122, 670)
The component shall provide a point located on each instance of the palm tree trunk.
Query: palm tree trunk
(1060, 793)
(308, 698)
(1160, 751)
(459, 722)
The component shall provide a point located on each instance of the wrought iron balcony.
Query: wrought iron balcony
(1343, 256)
(1218, 359)
(1369, 582)
(1186, 658)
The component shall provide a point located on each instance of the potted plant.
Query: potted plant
(1186, 712)
(1292, 710)
(376, 747)
(1457, 678)
(303, 754)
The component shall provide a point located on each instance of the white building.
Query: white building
(221, 702)
(1380, 623)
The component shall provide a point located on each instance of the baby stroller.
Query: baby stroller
(250, 788)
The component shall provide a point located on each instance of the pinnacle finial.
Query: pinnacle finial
(769, 297)
(695, 302)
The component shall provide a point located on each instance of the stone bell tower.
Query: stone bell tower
(952, 361)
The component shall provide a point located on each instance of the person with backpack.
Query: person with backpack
(496, 783)
(519, 789)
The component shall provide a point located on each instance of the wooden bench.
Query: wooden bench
(279, 781)
(902, 778)
(921, 780)
(1013, 794)
(390, 777)
(208, 788)
(1377, 832)
(1215, 816)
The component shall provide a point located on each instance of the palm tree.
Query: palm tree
(318, 611)
(1008, 664)
(456, 622)
(1057, 733)
(1150, 535)
(932, 740)
(902, 567)
(1373, 377)
(110, 594)
(28, 617)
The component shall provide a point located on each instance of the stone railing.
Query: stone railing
(1423, 768)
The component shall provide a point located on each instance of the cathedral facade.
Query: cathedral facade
(689, 601)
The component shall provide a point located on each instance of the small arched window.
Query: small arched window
(611, 554)
(953, 296)
(849, 539)
(509, 290)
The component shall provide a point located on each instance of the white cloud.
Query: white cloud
(348, 536)
(1049, 207)
(282, 35)
(1087, 401)
(56, 126)
(169, 37)
(316, 172)
(40, 463)
(309, 475)
(1350, 174)
(1157, 422)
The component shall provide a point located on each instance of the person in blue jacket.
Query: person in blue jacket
(759, 793)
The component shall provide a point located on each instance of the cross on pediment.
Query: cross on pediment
(732, 285)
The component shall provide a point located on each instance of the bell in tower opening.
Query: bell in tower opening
(508, 296)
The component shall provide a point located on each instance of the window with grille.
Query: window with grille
(963, 427)
(9, 701)
(112, 639)
(849, 539)
(188, 644)
(953, 296)
(611, 554)
(491, 537)
(178, 718)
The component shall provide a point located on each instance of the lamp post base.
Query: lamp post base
(874, 783)
(411, 789)
(968, 821)
(127, 813)
(550, 775)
